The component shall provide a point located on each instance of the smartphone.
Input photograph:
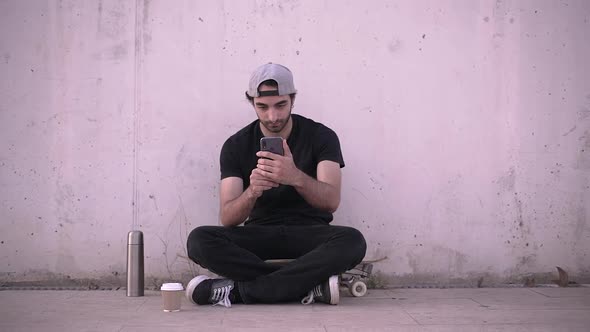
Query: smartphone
(272, 144)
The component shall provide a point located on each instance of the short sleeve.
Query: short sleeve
(328, 146)
(229, 160)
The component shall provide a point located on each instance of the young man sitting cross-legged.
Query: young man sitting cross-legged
(286, 204)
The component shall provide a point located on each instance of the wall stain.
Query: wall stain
(508, 182)
(394, 45)
(153, 198)
(583, 160)
(429, 259)
(98, 23)
(570, 131)
(146, 31)
(518, 204)
(118, 52)
(524, 263)
(112, 22)
(180, 155)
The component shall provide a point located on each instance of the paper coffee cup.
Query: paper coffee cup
(171, 296)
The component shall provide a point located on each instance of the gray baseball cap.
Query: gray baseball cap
(271, 71)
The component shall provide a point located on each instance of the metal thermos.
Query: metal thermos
(135, 263)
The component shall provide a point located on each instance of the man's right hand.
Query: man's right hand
(259, 183)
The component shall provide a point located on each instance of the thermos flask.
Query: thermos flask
(135, 263)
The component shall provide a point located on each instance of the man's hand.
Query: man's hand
(277, 168)
(259, 183)
(322, 193)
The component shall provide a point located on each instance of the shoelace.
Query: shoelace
(221, 296)
(310, 298)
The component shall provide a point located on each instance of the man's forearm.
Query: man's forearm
(237, 210)
(318, 194)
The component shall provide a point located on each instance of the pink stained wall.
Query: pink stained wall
(465, 128)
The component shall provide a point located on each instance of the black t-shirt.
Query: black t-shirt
(310, 142)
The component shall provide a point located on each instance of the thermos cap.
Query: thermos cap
(135, 237)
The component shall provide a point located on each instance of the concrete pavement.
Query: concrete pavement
(474, 309)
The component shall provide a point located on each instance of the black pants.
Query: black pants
(239, 253)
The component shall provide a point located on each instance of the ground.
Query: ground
(472, 309)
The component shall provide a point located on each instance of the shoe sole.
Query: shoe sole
(190, 288)
(334, 290)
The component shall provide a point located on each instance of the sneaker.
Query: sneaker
(204, 290)
(326, 292)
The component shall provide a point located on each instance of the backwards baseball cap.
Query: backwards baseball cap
(271, 71)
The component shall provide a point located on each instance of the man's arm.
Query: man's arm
(237, 203)
(323, 193)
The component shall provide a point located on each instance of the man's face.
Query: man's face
(273, 112)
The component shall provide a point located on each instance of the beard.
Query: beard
(276, 126)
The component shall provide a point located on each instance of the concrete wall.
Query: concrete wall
(465, 127)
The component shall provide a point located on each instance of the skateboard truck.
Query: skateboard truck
(355, 279)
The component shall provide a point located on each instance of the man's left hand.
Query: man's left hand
(280, 169)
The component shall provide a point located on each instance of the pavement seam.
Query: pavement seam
(480, 304)
(534, 291)
(410, 315)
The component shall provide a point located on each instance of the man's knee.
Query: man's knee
(360, 245)
(198, 240)
(355, 244)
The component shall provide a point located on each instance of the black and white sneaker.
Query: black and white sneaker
(326, 292)
(204, 290)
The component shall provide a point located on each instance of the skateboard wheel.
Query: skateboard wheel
(358, 289)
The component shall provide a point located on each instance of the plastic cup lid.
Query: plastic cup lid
(172, 286)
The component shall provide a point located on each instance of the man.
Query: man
(286, 202)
